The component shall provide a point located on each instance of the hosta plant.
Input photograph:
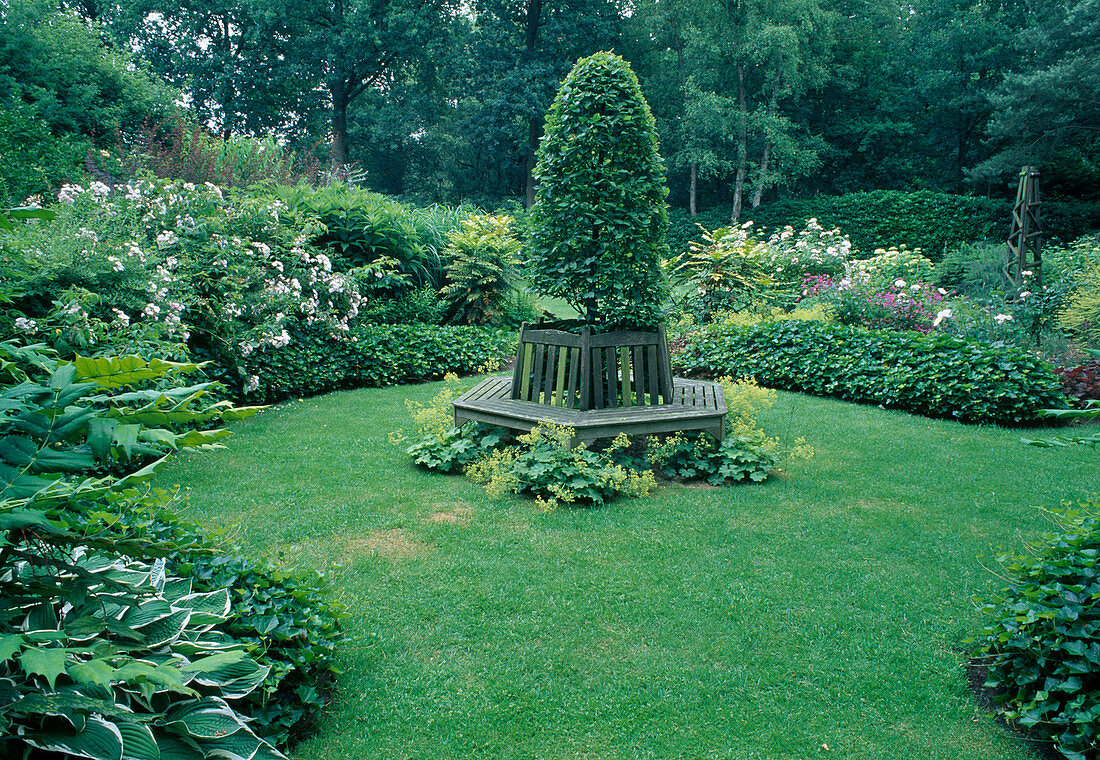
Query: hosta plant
(96, 416)
(105, 658)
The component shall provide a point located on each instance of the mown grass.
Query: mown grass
(817, 615)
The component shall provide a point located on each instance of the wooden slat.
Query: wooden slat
(624, 339)
(525, 376)
(611, 363)
(664, 368)
(651, 375)
(597, 376)
(548, 376)
(559, 386)
(552, 337)
(639, 375)
(624, 376)
(574, 375)
(536, 376)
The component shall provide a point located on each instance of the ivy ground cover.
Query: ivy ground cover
(820, 614)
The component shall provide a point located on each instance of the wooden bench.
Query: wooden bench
(692, 405)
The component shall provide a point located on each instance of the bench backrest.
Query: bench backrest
(589, 371)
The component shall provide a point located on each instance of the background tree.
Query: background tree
(1047, 111)
(597, 229)
(64, 86)
(237, 62)
(505, 74)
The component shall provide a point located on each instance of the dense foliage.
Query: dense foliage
(934, 222)
(372, 355)
(1041, 640)
(934, 375)
(597, 230)
(124, 631)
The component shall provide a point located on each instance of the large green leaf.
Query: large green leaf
(121, 371)
(178, 748)
(206, 718)
(233, 679)
(138, 742)
(208, 608)
(99, 740)
(93, 672)
(10, 644)
(44, 661)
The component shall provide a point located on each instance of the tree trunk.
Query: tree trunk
(758, 193)
(694, 188)
(339, 148)
(533, 129)
(742, 143)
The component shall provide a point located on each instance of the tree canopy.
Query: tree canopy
(754, 100)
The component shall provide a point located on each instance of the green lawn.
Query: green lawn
(823, 608)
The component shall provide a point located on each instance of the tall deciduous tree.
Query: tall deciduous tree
(236, 62)
(745, 64)
(599, 221)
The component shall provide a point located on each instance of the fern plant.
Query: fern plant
(483, 255)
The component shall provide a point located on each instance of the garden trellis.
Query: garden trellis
(1024, 254)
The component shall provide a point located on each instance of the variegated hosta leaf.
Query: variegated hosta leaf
(217, 729)
(99, 740)
(206, 609)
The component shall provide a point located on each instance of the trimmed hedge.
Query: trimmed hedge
(930, 221)
(371, 355)
(933, 375)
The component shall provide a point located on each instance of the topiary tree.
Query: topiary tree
(599, 219)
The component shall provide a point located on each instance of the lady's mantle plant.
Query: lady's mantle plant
(599, 220)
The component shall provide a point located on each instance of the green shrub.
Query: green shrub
(35, 162)
(973, 269)
(184, 151)
(597, 229)
(723, 272)
(1082, 314)
(934, 375)
(360, 227)
(411, 306)
(1041, 642)
(547, 465)
(933, 222)
(316, 361)
(482, 259)
(122, 628)
(106, 657)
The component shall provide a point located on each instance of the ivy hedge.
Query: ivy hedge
(933, 375)
(930, 221)
(1041, 639)
(370, 355)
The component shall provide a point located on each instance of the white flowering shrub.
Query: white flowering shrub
(887, 267)
(172, 269)
(793, 255)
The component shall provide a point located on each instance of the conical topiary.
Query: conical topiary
(599, 219)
